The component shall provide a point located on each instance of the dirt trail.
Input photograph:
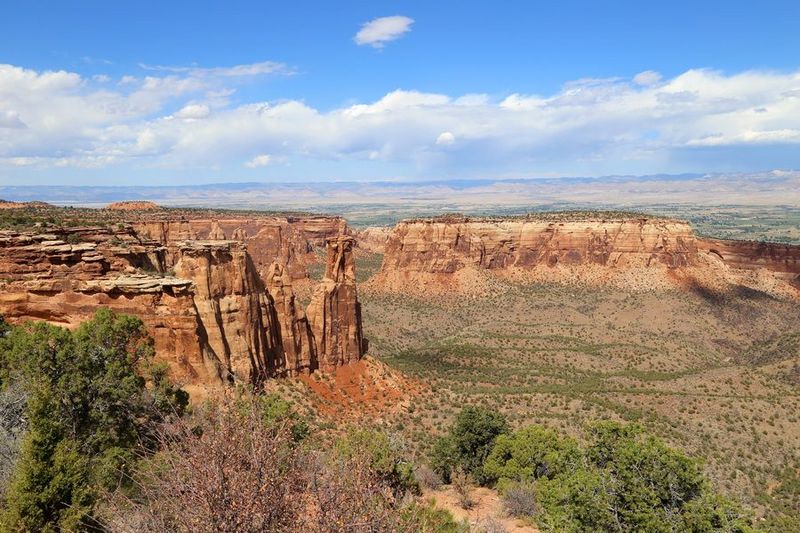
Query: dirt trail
(487, 506)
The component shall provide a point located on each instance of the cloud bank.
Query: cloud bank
(173, 118)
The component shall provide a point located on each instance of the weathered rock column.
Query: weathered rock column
(334, 313)
(295, 335)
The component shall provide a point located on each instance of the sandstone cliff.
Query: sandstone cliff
(335, 313)
(290, 241)
(373, 239)
(445, 246)
(437, 252)
(295, 334)
(783, 260)
(212, 316)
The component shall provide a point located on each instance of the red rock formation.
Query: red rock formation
(444, 246)
(290, 241)
(46, 277)
(781, 259)
(433, 249)
(295, 334)
(373, 239)
(233, 307)
(210, 314)
(217, 233)
(334, 312)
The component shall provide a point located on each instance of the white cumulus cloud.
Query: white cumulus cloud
(193, 111)
(445, 139)
(59, 119)
(259, 161)
(10, 119)
(379, 31)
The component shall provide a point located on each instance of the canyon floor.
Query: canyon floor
(716, 375)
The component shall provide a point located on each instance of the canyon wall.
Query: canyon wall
(439, 248)
(212, 315)
(290, 241)
(445, 246)
(783, 260)
(373, 239)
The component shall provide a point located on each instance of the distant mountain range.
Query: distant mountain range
(410, 197)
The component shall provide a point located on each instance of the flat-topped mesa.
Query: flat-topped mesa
(133, 205)
(212, 317)
(554, 244)
(334, 313)
(445, 246)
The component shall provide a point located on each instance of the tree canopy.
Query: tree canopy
(93, 397)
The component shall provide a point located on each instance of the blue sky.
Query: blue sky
(187, 92)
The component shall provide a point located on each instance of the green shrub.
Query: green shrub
(276, 411)
(468, 443)
(90, 404)
(712, 512)
(385, 456)
(624, 480)
(530, 453)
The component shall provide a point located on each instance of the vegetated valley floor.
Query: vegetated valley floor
(716, 376)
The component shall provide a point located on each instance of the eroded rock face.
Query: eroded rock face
(289, 241)
(232, 306)
(334, 312)
(373, 239)
(45, 277)
(295, 334)
(211, 314)
(781, 259)
(445, 246)
(441, 247)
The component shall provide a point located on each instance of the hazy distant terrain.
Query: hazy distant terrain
(749, 206)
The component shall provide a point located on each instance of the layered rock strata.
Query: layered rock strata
(442, 247)
(783, 260)
(211, 314)
(289, 241)
(335, 313)
(447, 246)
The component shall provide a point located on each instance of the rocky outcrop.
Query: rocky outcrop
(133, 206)
(212, 316)
(64, 278)
(373, 239)
(445, 246)
(435, 249)
(295, 334)
(290, 241)
(783, 260)
(217, 233)
(233, 308)
(335, 313)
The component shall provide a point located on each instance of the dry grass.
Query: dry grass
(713, 375)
